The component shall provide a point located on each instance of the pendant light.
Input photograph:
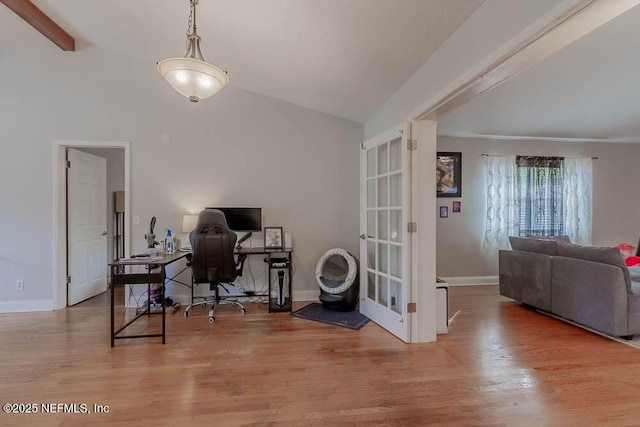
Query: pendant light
(191, 75)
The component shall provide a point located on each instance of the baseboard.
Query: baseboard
(306, 295)
(25, 306)
(471, 280)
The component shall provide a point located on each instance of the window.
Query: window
(540, 196)
(537, 196)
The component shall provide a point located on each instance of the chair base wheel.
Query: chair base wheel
(212, 319)
(243, 311)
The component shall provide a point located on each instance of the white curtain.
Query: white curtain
(578, 184)
(502, 201)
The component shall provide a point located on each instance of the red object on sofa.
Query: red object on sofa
(632, 260)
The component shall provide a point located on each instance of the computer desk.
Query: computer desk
(121, 274)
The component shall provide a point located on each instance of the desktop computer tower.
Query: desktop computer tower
(279, 284)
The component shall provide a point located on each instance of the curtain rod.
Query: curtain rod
(505, 155)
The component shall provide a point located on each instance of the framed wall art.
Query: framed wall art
(449, 174)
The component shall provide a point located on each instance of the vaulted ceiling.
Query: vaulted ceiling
(347, 57)
(589, 90)
(342, 57)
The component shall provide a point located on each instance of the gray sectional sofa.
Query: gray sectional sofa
(588, 285)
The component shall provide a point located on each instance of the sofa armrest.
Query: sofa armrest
(526, 277)
(590, 293)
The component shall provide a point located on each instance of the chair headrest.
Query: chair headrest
(208, 218)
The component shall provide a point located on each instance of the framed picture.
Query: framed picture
(273, 238)
(444, 212)
(449, 174)
(456, 206)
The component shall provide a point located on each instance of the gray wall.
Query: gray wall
(616, 199)
(236, 149)
(115, 182)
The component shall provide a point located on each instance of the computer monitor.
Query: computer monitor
(242, 219)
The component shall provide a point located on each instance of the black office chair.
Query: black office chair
(212, 259)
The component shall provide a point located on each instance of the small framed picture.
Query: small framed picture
(456, 206)
(444, 211)
(273, 238)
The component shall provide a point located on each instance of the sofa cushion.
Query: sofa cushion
(604, 255)
(531, 244)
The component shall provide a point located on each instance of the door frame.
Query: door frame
(59, 208)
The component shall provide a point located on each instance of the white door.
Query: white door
(86, 225)
(385, 239)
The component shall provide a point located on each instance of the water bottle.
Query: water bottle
(169, 242)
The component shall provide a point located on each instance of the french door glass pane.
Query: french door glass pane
(383, 159)
(371, 224)
(371, 286)
(395, 260)
(383, 291)
(371, 162)
(395, 234)
(383, 263)
(395, 290)
(383, 225)
(395, 154)
(383, 192)
(371, 255)
(395, 182)
(371, 193)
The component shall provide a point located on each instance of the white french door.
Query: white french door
(384, 224)
(87, 225)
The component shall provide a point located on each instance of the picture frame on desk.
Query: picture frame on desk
(273, 238)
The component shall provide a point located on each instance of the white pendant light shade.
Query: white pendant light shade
(191, 75)
(193, 78)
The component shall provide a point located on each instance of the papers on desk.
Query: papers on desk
(140, 259)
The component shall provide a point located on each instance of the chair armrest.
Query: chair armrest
(240, 264)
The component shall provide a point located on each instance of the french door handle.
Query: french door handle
(362, 236)
(104, 233)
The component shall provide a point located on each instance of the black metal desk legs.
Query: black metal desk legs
(134, 278)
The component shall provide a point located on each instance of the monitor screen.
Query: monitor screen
(242, 219)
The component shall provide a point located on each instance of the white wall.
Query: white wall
(616, 199)
(115, 182)
(493, 30)
(236, 149)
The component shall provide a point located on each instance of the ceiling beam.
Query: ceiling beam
(41, 22)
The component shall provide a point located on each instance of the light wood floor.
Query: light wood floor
(500, 364)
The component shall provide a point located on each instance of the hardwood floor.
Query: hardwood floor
(500, 364)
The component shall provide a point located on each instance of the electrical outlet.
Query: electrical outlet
(19, 285)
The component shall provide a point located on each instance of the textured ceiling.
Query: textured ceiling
(342, 57)
(588, 90)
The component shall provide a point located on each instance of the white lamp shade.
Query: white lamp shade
(193, 78)
(189, 223)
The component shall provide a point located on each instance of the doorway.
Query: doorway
(60, 210)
